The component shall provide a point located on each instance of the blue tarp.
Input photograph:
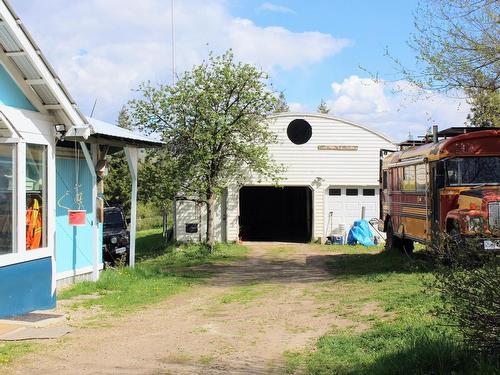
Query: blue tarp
(360, 233)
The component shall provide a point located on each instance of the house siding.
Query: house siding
(26, 287)
(74, 244)
(10, 94)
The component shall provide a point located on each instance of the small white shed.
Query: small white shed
(332, 172)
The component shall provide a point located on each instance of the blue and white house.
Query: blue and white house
(50, 157)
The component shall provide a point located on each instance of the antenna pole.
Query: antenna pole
(93, 107)
(173, 44)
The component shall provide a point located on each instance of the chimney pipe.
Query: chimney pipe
(435, 133)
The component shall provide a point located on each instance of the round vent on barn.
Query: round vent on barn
(299, 131)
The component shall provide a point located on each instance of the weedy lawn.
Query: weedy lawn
(161, 271)
(396, 331)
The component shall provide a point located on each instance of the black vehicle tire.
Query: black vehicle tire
(408, 246)
(392, 242)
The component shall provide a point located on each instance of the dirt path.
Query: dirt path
(240, 322)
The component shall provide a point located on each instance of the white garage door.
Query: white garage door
(343, 205)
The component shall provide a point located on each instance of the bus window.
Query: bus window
(409, 182)
(420, 177)
(473, 170)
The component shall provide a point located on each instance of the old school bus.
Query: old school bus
(448, 186)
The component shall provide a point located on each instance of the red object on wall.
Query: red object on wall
(77, 217)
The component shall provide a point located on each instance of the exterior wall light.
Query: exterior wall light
(60, 130)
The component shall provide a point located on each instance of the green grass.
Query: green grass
(247, 293)
(155, 277)
(10, 351)
(149, 243)
(402, 334)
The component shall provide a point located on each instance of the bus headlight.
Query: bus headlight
(475, 223)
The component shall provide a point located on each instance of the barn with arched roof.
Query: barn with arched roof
(332, 175)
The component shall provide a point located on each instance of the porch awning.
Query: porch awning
(107, 132)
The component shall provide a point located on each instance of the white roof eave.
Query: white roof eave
(33, 71)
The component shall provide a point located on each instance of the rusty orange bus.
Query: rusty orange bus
(447, 186)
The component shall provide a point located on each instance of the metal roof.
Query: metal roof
(110, 131)
(457, 130)
(329, 117)
(26, 62)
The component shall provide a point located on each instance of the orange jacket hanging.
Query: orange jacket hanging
(34, 226)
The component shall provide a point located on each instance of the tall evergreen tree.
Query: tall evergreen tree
(323, 108)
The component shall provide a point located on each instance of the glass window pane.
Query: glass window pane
(7, 198)
(335, 192)
(351, 192)
(36, 196)
(409, 182)
(369, 192)
(421, 177)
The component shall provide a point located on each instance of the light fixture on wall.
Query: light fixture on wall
(60, 130)
(317, 182)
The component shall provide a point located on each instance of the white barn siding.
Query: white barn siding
(306, 165)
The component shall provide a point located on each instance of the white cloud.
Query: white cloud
(104, 48)
(297, 107)
(276, 8)
(394, 108)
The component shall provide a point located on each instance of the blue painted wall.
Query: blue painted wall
(74, 243)
(26, 287)
(10, 94)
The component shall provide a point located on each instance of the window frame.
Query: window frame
(14, 221)
(45, 195)
(48, 251)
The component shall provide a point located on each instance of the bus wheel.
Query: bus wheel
(392, 242)
(408, 246)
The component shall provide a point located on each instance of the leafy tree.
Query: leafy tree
(485, 108)
(322, 107)
(458, 50)
(213, 123)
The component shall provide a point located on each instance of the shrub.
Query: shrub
(468, 278)
(149, 216)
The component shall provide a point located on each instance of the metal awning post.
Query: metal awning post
(95, 225)
(132, 158)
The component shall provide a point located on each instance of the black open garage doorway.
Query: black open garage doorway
(270, 213)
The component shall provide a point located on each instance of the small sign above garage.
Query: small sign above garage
(337, 148)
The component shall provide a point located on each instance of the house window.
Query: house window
(369, 192)
(7, 198)
(334, 192)
(351, 192)
(36, 196)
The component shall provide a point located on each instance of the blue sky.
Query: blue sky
(103, 49)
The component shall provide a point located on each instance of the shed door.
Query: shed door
(343, 206)
(269, 213)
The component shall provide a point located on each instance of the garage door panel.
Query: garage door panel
(347, 208)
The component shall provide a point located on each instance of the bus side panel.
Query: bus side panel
(414, 211)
